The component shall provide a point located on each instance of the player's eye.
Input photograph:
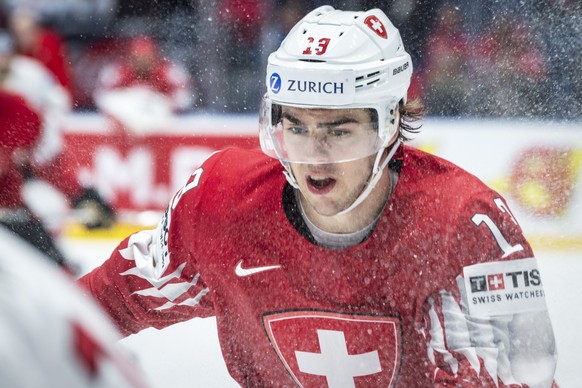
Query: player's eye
(297, 130)
(338, 132)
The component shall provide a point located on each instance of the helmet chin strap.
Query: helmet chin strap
(289, 175)
(376, 175)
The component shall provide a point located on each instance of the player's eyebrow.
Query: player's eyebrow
(335, 123)
(290, 117)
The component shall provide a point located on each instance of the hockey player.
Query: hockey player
(51, 334)
(20, 128)
(342, 258)
(146, 67)
(47, 165)
(142, 91)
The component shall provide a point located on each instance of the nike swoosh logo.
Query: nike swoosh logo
(242, 272)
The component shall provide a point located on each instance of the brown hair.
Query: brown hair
(410, 112)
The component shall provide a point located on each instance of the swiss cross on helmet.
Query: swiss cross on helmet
(334, 59)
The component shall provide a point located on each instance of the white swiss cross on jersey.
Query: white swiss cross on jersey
(336, 350)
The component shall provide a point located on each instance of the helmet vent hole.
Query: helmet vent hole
(364, 81)
(341, 33)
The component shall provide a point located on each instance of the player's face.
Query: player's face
(329, 188)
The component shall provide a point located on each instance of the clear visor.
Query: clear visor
(319, 135)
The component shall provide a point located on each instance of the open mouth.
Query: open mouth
(319, 184)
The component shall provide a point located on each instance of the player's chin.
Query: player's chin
(326, 209)
(324, 205)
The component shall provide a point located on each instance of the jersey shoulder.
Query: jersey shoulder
(474, 220)
(440, 178)
(235, 167)
(230, 177)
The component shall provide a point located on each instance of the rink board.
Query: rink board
(535, 165)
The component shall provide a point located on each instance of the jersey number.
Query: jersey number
(321, 47)
(505, 246)
(189, 186)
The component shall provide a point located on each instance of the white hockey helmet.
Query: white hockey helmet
(334, 59)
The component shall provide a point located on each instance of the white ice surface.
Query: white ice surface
(188, 354)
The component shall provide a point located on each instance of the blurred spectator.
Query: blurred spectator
(144, 66)
(510, 70)
(559, 24)
(31, 80)
(34, 40)
(222, 44)
(51, 334)
(238, 52)
(414, 18)
(20, 127)
(94, 55)
(289, 12)
(143, 90)
(71, 17)
(445, 79)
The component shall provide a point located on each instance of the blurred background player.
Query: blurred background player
(143, 90)
(20, 128)
(34, 40)
(52, 335)
(46, 170)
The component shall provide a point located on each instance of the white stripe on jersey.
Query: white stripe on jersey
(473, 338)
(437, 339)
(188, 302)
(170, 291)
(490, 338)
(456, 330)
(140, 248)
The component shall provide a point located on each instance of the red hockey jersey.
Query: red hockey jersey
(19, 131)
(444, 292)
